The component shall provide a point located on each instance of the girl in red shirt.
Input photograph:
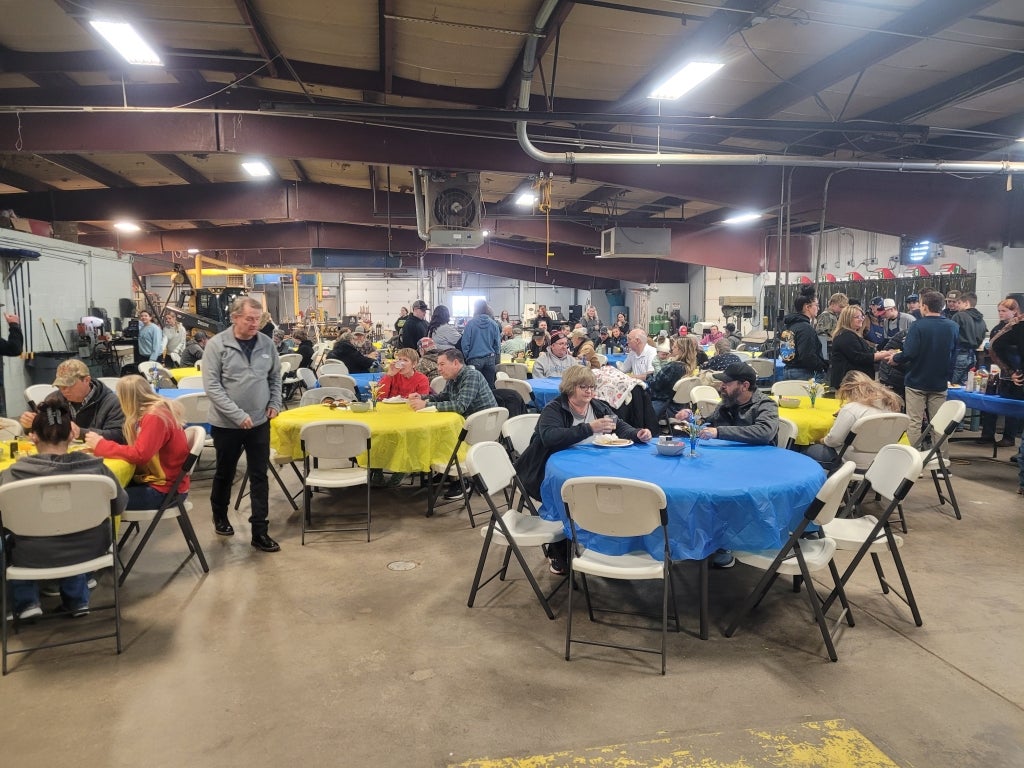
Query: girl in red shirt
(156, 443)
(403, 379)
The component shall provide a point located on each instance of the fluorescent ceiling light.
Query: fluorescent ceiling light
(127, 226)
(526, 198)
(742, 218)
(193, 251)
(486, 232)
(686, 79)
(256, 168)
(127, 42)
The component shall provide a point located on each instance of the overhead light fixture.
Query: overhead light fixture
(256, 168)
(526, 198)
(127, 42)
(193, 251)
(127, 226)
(686, 79)
(742, 218)
(486, 232)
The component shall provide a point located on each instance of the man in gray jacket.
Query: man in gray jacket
(744, 415)
(242, 377)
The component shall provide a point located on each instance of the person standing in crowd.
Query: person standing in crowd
(928, 356)
(850, 351)
(12, 346)
(889, 373)
(415, 327)
(194, 349)
(267, 326)
(826, 321)
(875, 331)
(403, 315)
(175, 338)
(242, 378)
(481, 342)
(151, 339)
(621, 323)
(591, 322)
(952, 305)
(543, 316)
(444, 334)
(972, 333)
(914, 306)
(894, 321)
(806, 362)
(92, 404)
(1008, 310)
(504, 318)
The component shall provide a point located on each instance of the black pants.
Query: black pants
(228, 445)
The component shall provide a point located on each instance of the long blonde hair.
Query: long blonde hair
(856, 387)
(845, 321)
(687, 350)
(137, 399)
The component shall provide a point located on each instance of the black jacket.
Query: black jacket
(850, 352)
(806, 343)
(972, 328)
(101, 412)
(413, 330)
(305, 349)
(14, 343)
(354, 360)
(892, 373)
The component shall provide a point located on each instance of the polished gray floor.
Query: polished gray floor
(321, 655)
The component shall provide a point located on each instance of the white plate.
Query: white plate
(615, 442)
(396, 399)
(428, 409)
(954, 386)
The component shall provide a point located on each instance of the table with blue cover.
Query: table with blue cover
(731, 496)
(363, 383)
(1001, 406)
(545, 390)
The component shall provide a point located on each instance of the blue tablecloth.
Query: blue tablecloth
(616, 357)
(545, 390)
(362, 383)
(174, 394)
(1002, 406)
(731, 496)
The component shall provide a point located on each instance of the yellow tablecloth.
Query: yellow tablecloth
(181, 373)
(122, 470)
(812, 423)
(528, 362)
(402, 440)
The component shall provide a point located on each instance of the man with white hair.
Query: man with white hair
(639, 361)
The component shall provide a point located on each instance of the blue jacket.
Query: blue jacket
(481, 337)
(928, 353)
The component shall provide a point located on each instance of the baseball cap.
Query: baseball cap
(889, 303)
(603, 329)
(556, 337)
(579, 333)
(953, 296)
(738, 372)
(878, 301)
(913, 297)
(358, 332)
(70, 372)
(420, 304)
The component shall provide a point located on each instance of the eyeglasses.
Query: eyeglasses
(587, 387)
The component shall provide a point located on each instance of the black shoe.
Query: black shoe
(223, 527)
(455, 491)
(1006, 442)
(264, 543)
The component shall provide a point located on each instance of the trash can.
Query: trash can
(42, 366)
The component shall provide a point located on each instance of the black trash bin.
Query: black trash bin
(42, 366)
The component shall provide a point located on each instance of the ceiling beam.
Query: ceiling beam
(264, 44)
(90, 170)
(180, 168)
(21, 181)
(386, 43)
(599, 196)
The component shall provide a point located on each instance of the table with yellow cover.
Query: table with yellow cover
(181, 373)
(812, 423)
(402, 440)
(122, 470)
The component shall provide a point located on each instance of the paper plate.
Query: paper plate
(615, 442)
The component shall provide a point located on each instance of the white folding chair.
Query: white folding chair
(892, 475)
(513, 370)
(191, 382)
(492, 469)
(292, 360)
(518, 431)
(941, 427)
(482, 426)
(794, 388)
(198, 365)
(867, 436)
(437, 384)
(317, 395)
(518, 385)
(802, 557)
(342, 380)
(308, 378)
(788, 430)
(681, 398)
(173, 506)
(59, 505)
(334, 441)
(705, 400)
(36, 393)
(764, 367)
(618, 507)
(10, 429)
(332, 367)
(146, 366)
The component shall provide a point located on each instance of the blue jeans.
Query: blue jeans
(145, 497)
(486, 366)
(74, 592)
(965, 359)
(791, 372)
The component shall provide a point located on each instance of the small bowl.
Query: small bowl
(358, 407)
(671, 449)
(789, 402)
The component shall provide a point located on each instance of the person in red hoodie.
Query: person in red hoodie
(156, 443)
(403, 379)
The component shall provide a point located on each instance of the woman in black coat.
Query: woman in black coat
(850, 351)
(354, 360)
(305, 348)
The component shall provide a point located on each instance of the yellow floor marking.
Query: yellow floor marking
(824, 744)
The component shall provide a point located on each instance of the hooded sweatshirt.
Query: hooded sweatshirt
(807, 346)
(972, 328)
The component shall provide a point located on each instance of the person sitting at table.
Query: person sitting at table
(734, 336)
(616, 341)
(513, 342)
(556, 360)
(93, 405)
(724, 356)
(858, 396)
(582, 346)
(744, 415)
(572, 418)
(428, 357)
(361, 341)
(345, 351)
(402, 378)
(711, 335)
(52, 430)
(639, 361)
(850, 350)
(193, 350)
(155, 443)
(304, 348)
(538, 344)
(680, 362)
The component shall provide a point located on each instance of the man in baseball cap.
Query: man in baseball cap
(894, 321)
(94, 406)
(744, 415)
(914, 306)
(952, 304)
(415, 327)
(876, 315)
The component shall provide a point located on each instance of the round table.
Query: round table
(180, 373)
(122, 470)
(402, 440)
(731, 496)
(545, 390)
(812, 423)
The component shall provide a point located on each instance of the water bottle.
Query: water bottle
(983, 380)
(971, 381)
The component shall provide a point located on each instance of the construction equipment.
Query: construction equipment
(204, 309)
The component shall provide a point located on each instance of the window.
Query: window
(462, 306)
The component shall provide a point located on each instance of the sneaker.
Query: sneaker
(723, 559)
(74, 613)
(30, 613)
(455, 491)
(558, 566)
(1006, 442)
(92, 583)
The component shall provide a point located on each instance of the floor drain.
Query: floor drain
(402, 565)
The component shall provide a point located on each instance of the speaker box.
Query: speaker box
(575, 313)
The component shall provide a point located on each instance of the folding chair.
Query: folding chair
(518, 385)
(802, 557)
(765, 369)
(491, 467)
(338, 380)
(437, 384)
(517, 432)
(681, 398)
(794, 388)
(10, 429)
(612, 506)
(317, 395)
(58, 505)
(292, 360)
(173, 506)
(892, 474)
(332, 368)
(705, 400)
(941, 427)
(36, 393)
(513, 370)
(191, 382)
(482, 426)
(867, 436)
(788, 430)
(333, 440)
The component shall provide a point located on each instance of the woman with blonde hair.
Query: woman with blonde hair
(681, 362)
(402, 378)
(850, 350)
(156, 443)
(860, 396)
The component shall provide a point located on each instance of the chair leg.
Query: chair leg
(141, 545)
(666, 587)
(480, 563)
(241, 490)
(819, 616)
(841, 592)
(185, 523)
(908, 593)
(284, 488)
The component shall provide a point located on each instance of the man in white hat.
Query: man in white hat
(894, 321)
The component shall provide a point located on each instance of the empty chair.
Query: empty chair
(173, 507)
(342, 380)
(292, 360)
(868, 435)
(308, 378)
(788, 431)
(492, 469)
(513, 370)
(612, 506)
(892, 475)
(437, 384)
(764, 367)
(60, 505)
(803, 557)
(940, 428)
(794, 388)
(334, 441)
(743, 355)
(10, 429)
(602, 359)
(191, 382)
(285, 368)
(195, 409)
(36, 393)
(518, 431)
(330, 367)
(198, 365)
(146, 366)
(517, 385)
(319, 394)
(705, 400)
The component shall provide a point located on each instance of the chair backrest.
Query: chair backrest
(191, 382)
(319, 394)
(682, 390)
(10, 429)
(338, 380)
(763, 366)
(704, 392)
(56, 505)
(195, 408)
(334, 439)
(830, 496)
(946, 419)
(331, 367)
(870, 433)
(513, 370)
(198, 365)
(518, 430)
(742, 354)
(489, 461)
(794, 388)
(284, 366)
(485, 425)
(308, 377)
(196, 437)
(894, 471)
(146, 366)
(36, 393)
(615, 506)
(110, 382)
(602, 359)
(293, 360)
(516, 385)
(501, 376)
(437, 384)
(788, 431)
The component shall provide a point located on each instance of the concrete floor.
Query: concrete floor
(322, 656)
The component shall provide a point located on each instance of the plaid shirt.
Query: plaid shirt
(466, 394)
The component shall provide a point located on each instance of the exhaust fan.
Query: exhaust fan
(453, 210)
